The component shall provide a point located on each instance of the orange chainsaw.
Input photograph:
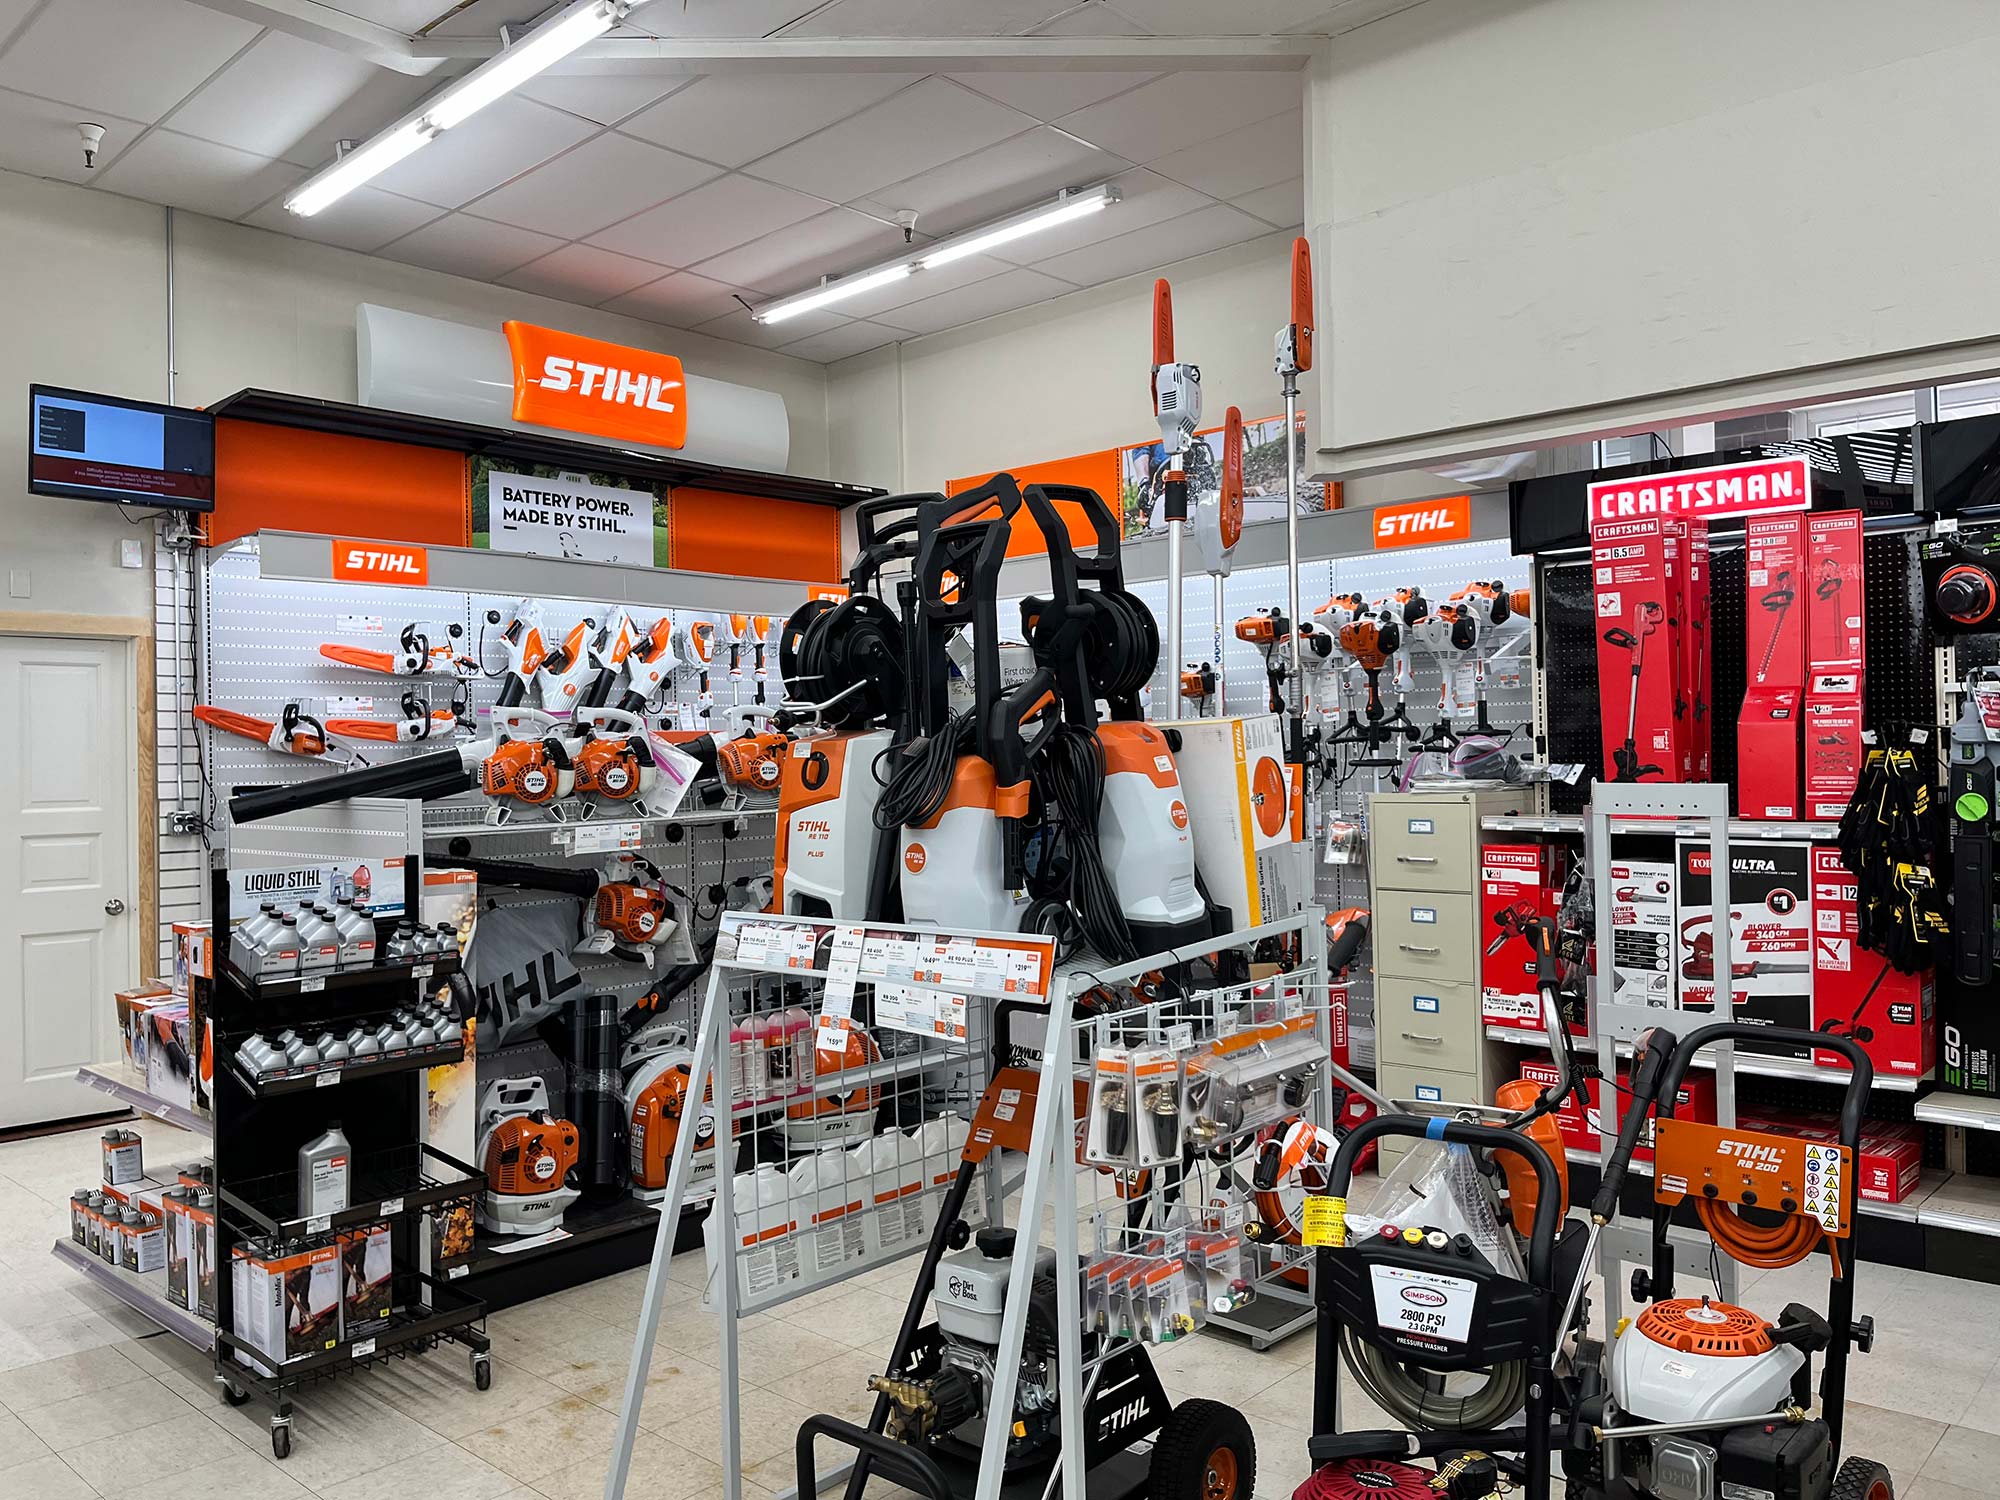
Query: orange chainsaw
(295, 732)
(419, 721)
(414, 654)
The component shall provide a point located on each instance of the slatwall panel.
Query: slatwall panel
(182, 866)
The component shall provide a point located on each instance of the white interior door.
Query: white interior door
(68, 863)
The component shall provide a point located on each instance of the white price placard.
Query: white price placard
(1424, 1303)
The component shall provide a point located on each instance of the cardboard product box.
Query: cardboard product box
(366, 1281)
(1696, 659)
(1969, 1028)
(180, 1252)
(1777, 594)
(1636, 666)
(1642, 932)
(201, 1219)
(287, 1306)
(133, 1003)
(1582, 1129)
(1856, 993)
(1837, 596)
(1517, 883)
(194, 954)
(171, 1055)
(1239, 796)
(1889, 1164)
(1767, 755)
(1771, 938)
(1833, 752)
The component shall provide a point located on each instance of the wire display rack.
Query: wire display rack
(890, 1091)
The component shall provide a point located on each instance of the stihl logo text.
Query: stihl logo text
(1447, 520)
(607, 383)
(380, 562)
(577, 384)
(1750, 1154)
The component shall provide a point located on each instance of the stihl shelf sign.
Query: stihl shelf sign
(1424, 521)
(576, 384)
(1763, 484)
(380, 562)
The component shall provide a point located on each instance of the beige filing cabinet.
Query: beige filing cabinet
(1423, 877)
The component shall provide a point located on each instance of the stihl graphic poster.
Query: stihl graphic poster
(566, 515)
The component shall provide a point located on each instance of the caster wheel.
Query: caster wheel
(233, 1396)
(281, 1442)
(482, 1372)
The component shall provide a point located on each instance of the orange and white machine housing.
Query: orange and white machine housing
(827, 794)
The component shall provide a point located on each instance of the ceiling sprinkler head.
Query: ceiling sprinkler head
(93, 142)
(907, 218)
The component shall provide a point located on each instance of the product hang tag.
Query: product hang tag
(1324, 1222)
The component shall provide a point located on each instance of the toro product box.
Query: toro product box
(1637, 600)
(1858, 994)
(1582, 1129)
(1642, 932)
(1770, 929)
(1889, 1164)
(1517, 883)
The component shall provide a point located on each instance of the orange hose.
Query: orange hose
(1767, 1249)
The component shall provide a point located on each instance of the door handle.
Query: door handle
(114, 907)
(1412, 948)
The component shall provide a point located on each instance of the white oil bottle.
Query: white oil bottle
(324, 1173)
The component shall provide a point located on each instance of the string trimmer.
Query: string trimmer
(1648, 617)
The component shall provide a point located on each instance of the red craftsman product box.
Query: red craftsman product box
(1836, 648)
(1767, 755)
(1889, 1164)
(1636, 656)
(1776, 598)
(1582, 1129)
(1856, 993)
(1517, 884)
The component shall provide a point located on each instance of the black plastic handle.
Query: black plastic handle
(1655, 1053)
(905, 1465)
(1858, 1084)
(1548, 1197)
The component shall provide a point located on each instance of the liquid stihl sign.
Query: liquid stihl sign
(1764, 484)
(1424, 521)
(380, 562)
(576, 384)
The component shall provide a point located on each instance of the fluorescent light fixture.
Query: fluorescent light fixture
(542, 48)
(834, 291)
(1067, 207)
(357, 166)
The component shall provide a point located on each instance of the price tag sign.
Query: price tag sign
(363, 1349)
(597, 838)
(753, 943)
(312, 984)
(320, 1224)
(326, 1080)
(391, 1207)
(1324, 1222)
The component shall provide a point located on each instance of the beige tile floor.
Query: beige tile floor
(93, 1402)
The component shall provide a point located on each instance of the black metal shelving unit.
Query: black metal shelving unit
(259, 1122)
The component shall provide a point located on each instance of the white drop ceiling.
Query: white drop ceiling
(634, 183)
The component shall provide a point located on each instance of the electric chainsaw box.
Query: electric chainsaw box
(1857, 993)
(1637, 675)
(1770, 909)
(1517, 883)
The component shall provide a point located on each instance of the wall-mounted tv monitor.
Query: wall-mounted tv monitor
(91, 447)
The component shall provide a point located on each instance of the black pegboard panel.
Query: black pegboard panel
(1569, 678)
(1729, 672)
(1901, 685)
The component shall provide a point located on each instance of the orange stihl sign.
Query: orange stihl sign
(566, 381)
(1446, 520)
(380, 562)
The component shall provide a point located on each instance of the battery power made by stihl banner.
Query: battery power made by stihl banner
(569, 518)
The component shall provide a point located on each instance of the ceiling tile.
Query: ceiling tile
(715, 217)
(738, 117)
(682, 300)
(1192, 234)
(39, 137)
(994, 182)
(907, 133)
(741, 328)
(1244, 160)
(599, 183)
(1148, 199)
(720, 18)
(12, 14)
(465, 246)
(272, 99)
(838, 240)
(1181, 109)
(1093, 18)
(1206, 18)
(508, 137)
(843, 342)
(582, 273)
(604, 97)
(983, 299)
(930, 18)
(1049, 96)
(920, 284)
(136, 58)
(366, 219)
(1282, 204)
(219, 181)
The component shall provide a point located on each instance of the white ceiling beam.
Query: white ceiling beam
(317, 21)
(671, 55)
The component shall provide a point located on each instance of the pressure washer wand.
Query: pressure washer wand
(1177, 407)
(1294, 354)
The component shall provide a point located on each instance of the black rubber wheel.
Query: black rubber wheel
(281, 1442)
(1205, 1452)
(233, 1396)
(1862, 1479)
(482, 1372)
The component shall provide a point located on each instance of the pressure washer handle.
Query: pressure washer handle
(1655, 1053)
(1858, 1084)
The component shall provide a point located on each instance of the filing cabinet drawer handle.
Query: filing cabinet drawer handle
(1413, 948)
(1418, 1036)
(1416, 859)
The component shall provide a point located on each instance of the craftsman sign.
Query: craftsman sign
(569, 518)
(1764, 484)
(1423, 522)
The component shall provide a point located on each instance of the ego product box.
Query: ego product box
(1636, 604)
(1642, 932)
(1770, 930)
(287, 1305)
(1517, 883)
(1857, 993)
(366, 1284)
(1239, 801)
